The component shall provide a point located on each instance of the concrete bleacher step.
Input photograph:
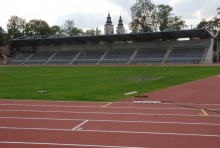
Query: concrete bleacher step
(27, 59)
(103, 56)
(74, 59)
(167, 55)
(132, 57)
(53, 55)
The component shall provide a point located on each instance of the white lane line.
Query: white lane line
(103, 131)
(116, 121)
(64, 144)
(153, 133)
(47, 101)
(107, 113)
(13, 100)
(81, 124)
(101, 106)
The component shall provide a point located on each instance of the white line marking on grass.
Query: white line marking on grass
(107, 113)
(104, 131)
(75, 128)
(130, 93)
(63, 144)
(116, 121)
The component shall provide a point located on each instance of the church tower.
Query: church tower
(109, 28)
(120, 28)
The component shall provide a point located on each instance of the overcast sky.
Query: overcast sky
(93, 13)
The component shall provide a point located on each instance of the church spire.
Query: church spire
(109, 27)
(109, 20)
(120, 22)
(120, 28)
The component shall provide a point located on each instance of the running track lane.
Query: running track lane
(107, 138)
(32, 133)
(175, 117)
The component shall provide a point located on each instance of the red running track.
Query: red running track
(47, 124)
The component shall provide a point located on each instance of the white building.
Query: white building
(109, 28)
(120, 28)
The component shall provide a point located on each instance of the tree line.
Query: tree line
(146, 17)
(19, 27)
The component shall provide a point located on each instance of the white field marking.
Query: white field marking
(81, 124)
(103, 131)
(116, 121)
(64, 144)
(107, 113)
(130, 93)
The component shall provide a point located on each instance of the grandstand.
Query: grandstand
(123, 49)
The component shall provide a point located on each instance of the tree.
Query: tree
(55, 30)
(37, 27)
(164, 14)
(218, 9)
(16, 27)
(2, 36)
(166, 19)
(76, 31)
(68, 27)
(177, 23)
(93, 32)
(144, 16)
(215, 21)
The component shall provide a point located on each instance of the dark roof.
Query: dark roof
(5, 50)
(136, 37)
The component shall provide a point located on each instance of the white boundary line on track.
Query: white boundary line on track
(108, 113)
(95, 102)
(62, 106)
(103, 131)
(62, 144)
(116, 121)
(81, 124)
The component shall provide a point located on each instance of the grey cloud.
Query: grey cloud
(83, 20)
(188, 8)
(88, 20)
(124, 4)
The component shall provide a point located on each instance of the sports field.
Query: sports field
(96, 83)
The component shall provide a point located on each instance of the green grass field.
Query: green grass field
(93, 83)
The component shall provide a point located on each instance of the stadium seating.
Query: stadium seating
(186, 55)
(20, 59)
(149, 56)
(173, 52)
(62, 57)
(119, 56)
(38, 58)
(88, 57)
